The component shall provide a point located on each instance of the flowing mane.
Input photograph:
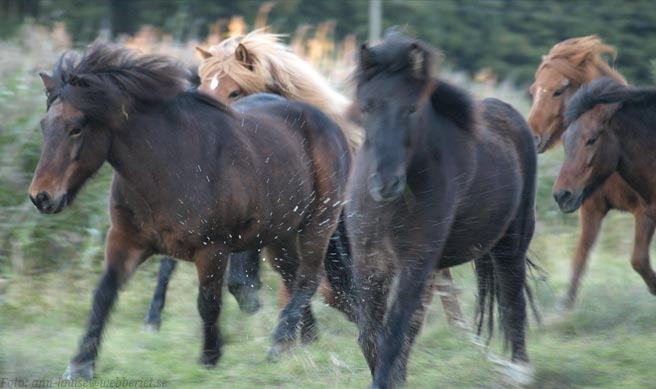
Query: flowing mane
(607, 91)
(275, 69)
(107, 82)
(581, 60)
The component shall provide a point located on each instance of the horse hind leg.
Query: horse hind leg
(153, 320)
(644, 232)
(591, 215)
(448, 292)
(244, 279)
(285, 259)
(509, 266)
(211, 266)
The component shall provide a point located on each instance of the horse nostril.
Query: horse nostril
(42, 201)
(562, 196)
(398, 184)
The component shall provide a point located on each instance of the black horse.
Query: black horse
(440, 181)
(193, 179)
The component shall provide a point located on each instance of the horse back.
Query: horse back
(502, 187)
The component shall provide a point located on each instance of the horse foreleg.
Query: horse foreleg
(644, 232)
(371, 291)
(122, 256)
(403, 321)
(210, 266)
(154, 316)
(244, 279)
(591, 214)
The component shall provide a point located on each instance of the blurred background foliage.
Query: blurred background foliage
(504, 37)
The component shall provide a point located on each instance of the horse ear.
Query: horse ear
(48, 83)
(367, 58)
(203, 53)
(241, 53)
(418, 62)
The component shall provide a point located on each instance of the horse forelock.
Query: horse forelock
(580, 60)
(108, 82)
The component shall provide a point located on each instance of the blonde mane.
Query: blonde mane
(274, 68)
(580, 60)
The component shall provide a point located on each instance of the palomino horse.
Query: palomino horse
(611, 131)
(258, 62)
(569, 65)
(434, 187)
(192, 179)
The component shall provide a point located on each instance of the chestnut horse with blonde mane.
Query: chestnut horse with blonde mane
(570, 65)
(258, 62)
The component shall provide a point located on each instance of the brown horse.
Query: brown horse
(569, 65)
(434, 186)
(258, 62)
(192, 179)
(611, 131)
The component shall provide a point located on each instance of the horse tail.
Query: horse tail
(338, 266)
(488, 295)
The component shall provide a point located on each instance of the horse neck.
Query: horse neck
(637, 143)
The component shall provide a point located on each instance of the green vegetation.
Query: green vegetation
(49, 266)
(505, 36)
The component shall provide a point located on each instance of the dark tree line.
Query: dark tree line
(506, 36)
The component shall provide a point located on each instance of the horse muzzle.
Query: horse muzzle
(389, 189)
(567, 200)
(48, 204)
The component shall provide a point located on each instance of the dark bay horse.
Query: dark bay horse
(193, 179)
(434, 186)
(569, 65)
(611, 130)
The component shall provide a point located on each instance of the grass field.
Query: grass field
(49, 267)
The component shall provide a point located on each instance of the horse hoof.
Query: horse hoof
(247, 299)
(209, 359)
(250, 305)
(564, 305)
(75, 371)
(518, 375)
(278, 349)
(152, 327)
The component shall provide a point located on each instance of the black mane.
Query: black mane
(605, 90)
(455, 104)
(107, 82)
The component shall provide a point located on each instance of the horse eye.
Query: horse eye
(75, 132)
(412, 110)
(559, 92)
(234, 94)
(591, 141)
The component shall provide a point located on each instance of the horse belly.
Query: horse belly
(482, 219)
